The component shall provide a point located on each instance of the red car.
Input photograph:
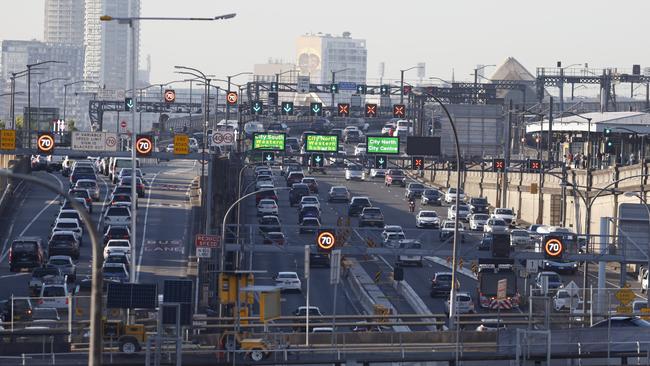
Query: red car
(274, 238)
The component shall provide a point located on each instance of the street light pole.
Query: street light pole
(38, 118)
(29, 97)
(227, 91)
(401, 82)
(333, 82)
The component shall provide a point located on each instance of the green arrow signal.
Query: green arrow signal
(287, 108)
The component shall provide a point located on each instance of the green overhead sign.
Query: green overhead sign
(382, 145)
(322, 143)
(268, 141)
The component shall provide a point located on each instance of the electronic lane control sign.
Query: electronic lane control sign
(553, 246)
(382, 145)
(269, 141)
(45, 143)
(322, 143)
(326, 240)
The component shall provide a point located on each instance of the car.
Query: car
(294, 177)
(117, 215)
(297, 192)
(463, 212)
(393, 240)
(407, 259)
(404, 128)
(121, 200)
(54, 162)
(90, 185)
(377, 173)
(26, 252)
(267, 206)
(288, 281)
(638, 306)
(450, 196)
(119, 257)
(338, 193)
(554, 280)
(388, 129)
(266, 194)
(275, 238)
(311, 183)
(431, 197)
(564, 266)
(64, 243)
(309, 200)
(117, 246)
(169, 148)
(69, 214)
(61, 224)
(263, 180)
(308, 210)
(491, 325)
(40, 274)
(289, 167)
(395, 176)
(351, 136)
(354, 172)
(427, 219)
(441, 284)
(309, 224)
(478, 205)
(278, 127)
(115, 272)
(45, 317)
(302, 311)
(360, 149)
(39, 162)
(447, 230)
(495, 225)
(562, 300)
(21, 308)
(486, 242)
(389, 229)
(126, 172)
(520, 238)
(321, 125)
(269, 223)
(262, 170)
(506, 214)
(54, 295)
(622, 321)
(477, 221)
(357, 204)
(65, 264)
(139, 185)
(371, 216)
(116, 164)
(67, 205)
(414, 190)
(464, 304)
(121, 190)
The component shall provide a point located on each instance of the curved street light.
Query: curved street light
(65, 93)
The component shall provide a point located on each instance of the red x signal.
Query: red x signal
(371, 110)
(399, 111)
(344, 109)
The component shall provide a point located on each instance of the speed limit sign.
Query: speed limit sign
(45, 143)
(326, 240)
(553, 247)
(143, 145)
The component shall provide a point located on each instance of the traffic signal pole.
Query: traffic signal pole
(506, 153)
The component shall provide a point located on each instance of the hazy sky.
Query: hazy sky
(445, 34)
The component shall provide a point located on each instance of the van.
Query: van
(26, 252)
(117, 164)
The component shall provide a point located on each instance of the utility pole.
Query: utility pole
(550, 133)
(504, 186)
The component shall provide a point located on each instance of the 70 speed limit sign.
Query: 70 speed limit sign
(326, 240)
(143, 145)
(553, 247)
(45, 143)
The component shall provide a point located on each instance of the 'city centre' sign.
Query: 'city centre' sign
(382, 145)
(322, 143)
(268, 141)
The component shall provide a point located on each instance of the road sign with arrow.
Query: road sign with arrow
(268, 157)
(316, 109)
(257, 107)
(381, 162)
(287, 108)
(317, 160)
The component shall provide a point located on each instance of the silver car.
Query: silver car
(90, 185)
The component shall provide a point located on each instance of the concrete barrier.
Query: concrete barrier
(406, 291)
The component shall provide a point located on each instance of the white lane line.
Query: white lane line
(11, 226)
(144, 231)
(4, 255)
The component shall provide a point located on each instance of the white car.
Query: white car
(360, 149)
(54, 295)
(266, 207)
(117, 215)
(506, 214)
(90, 185)
(495, 225)
(404, 128)
(392, 240)
(463, 212)
(387, 129)
(117, 246)
(464, 303)
(406, 259)
(68, 225)
(564, 301)
(169, 148)
(354, 172)
(427, 218)
(309, 200)
(288, 281)
(263, 180)
(377, 173)
(391, 229)
(450, 196)
(478, 221)
(520, 238)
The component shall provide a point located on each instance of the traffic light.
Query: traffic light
(274, 87)
(498, 165)
(334, 88)
(417, 163)
(361, 89)
(607, 132)
(534, 165)
(610, 148)
(317, 160)
(128, 104)
(384, 90)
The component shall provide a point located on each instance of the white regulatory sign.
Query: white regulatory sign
(222, 138)
(94, 141)
(302, 84)
(203, 252)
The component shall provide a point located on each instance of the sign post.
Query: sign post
(181, 144)
(7, 139)
(94, 141)
(204, 244)
(303, 84)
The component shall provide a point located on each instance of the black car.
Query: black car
(26, 252)
(318, 258)
(414, 190)
(309, 225)
(486, 242)
(297, 192)
(357, 204)
(63, 243)
(22, 310)
(308, 211)
(478, 205)
(431, 197)
(371, 216)
(116, 232)
(441, 284)
(352, 136)
(269, 224)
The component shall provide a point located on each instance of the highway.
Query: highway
(162, 224)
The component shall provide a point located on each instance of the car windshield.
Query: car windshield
(362, 202)
(23, 246)
(479, 201)
(354, 167)
(396, 172)
(431, 192)
(443, 278)
(66, 225)
(59, 262)
(45, 313)
(463, 298)
(481, 217)
(339, 190)
(41, 272)
(53, 291)
(287, 276)
(428, 214)
(553, 278)
(86, 184)
(114, 270)
(269, 221)
(310, 222)
(416, 186)
(503, 211)
(118, 211)
(498, 223)
(519, 233)
(118, 243)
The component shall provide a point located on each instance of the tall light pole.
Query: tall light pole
(401, 82)
(561, 84)
(29, 97)
(333, 82)
(38, 117)
(277, 81)
(65, 93)
(227, 91)
(94, 354)
(476, 70)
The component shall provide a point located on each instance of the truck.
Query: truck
(490, 272)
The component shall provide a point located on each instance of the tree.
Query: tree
(19, 122)
(2, 124)
(70, 125)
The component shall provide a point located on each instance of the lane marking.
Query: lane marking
(144, 230)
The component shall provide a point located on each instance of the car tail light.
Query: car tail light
(11, 255)
(67, 300)
(40, 301)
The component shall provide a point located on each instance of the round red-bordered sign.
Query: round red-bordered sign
(232, 98)
(45, 143)
(143, 145)
(553, 247)
(170, 96)
(326, 240)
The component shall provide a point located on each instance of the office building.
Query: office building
(319, 54)
(267, 72)
(64, 22)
